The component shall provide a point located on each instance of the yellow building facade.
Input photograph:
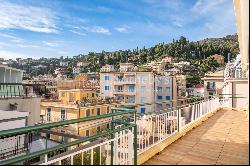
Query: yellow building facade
(55, 111)
(76, 94)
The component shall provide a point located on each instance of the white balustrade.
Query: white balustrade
(153, 129)
(100, 154)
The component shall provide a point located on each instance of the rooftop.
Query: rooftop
(223, 139)
(10, 68)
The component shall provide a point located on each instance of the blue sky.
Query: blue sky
(54, 28)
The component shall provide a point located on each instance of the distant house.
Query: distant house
(213, 83)
(82, 64)
(197, 90)
(218, 58)
(64, 64)
(76, 70)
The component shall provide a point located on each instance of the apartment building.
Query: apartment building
(196, 91)
(48, 81)
(165, 92)
(159, 66)
(59, 111)
(181, 86)
(213, 83)
(16, 96)
(72, 95)
(79, 82)
(64, 63)
(135, 87)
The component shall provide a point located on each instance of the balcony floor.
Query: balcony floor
(221, 140)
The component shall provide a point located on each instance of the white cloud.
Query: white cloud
(28, 45)
(13, 55)
(2, 45)
(207, 6)
(97, 29)
(122, 29)
(37, 19)
(78, 33)
(50, 44)
(178, 24)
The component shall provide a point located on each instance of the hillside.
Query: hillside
(182, 49)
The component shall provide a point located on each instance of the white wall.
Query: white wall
(31, 105)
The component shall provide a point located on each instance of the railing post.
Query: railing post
(135, 145)
(112, 142)
(178, 120)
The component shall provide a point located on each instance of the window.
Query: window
(159, 106)
(71, 97)
(98, 111)
(143, 110)
(159, 97)
(143, 88)
(87, 133)
(131, 88)
(168, 98)
(168, 105)
(159, 89)
(62, 94)
(87, 113)
(120, 78)
(167, 89)
(120, 89)
(93, 94)
(106, 88)
(92, 111)
(106, 78)
(108, 126)
(63, 115)
(98, 129)
(143, 99)
(107, 109)
(49, 114)
(143, 78)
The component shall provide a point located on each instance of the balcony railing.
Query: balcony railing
(123, 146)
(112, 147)
(118, 91)
(153, 129)
(12, 90)
(235, 73)
(125, 81)
(14, 146)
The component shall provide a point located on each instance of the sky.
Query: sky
(55, 28)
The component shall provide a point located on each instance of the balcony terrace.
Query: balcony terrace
(222, 140)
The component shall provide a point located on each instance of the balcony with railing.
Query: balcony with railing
(14, 90)
(214, 125)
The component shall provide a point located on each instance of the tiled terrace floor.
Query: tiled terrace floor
(223, 139)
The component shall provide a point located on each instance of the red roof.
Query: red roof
(199, 86)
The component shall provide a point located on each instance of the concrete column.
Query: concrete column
(10, 77)
(4, 75)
